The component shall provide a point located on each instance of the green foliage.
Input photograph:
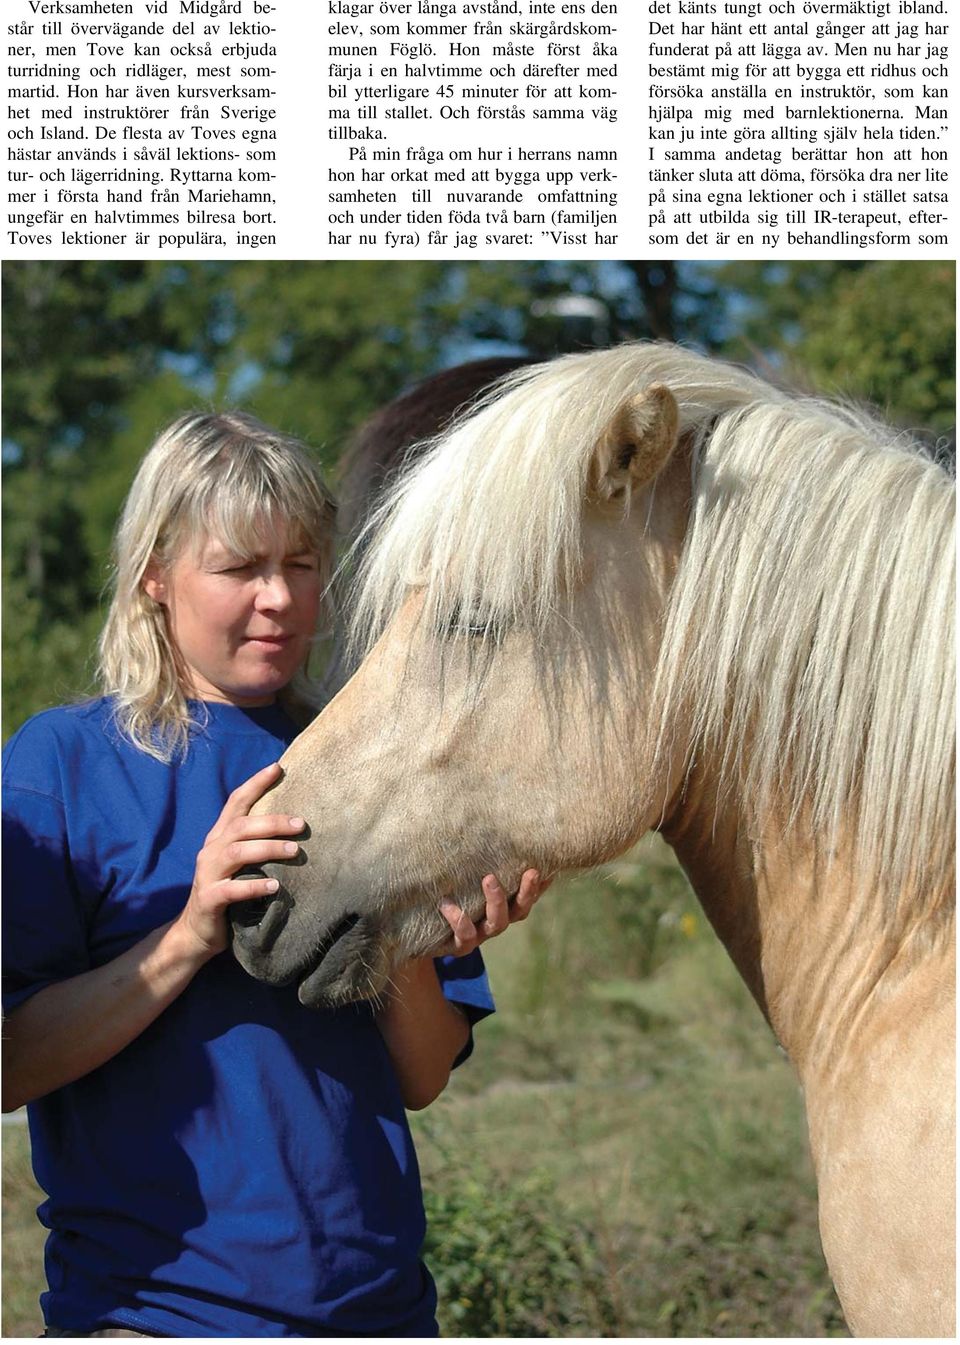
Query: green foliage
(742, 1276)
(78, 338)
(509, 1261)
(879, 331)
(774, 299)
(644, 908)
(45, 663)
(889, 336)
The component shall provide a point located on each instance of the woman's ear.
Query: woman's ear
(153, 583)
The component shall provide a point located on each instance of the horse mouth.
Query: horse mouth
(335, 972)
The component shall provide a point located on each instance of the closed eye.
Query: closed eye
(475, 624)
(305, 563)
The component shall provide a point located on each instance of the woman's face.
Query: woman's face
(242, 626)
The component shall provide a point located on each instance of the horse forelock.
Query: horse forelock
(808, 634)
(491, 514)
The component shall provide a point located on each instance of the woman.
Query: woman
(218, 1160)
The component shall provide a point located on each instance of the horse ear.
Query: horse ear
(637, 442)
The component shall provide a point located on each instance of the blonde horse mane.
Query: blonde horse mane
(811, 617)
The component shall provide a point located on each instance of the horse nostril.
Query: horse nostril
(258, 921)
(249, 913)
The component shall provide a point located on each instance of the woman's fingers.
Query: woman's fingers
(497, 915)
(527, 896)
(261, 825)
(463, 929)
(503, 910)
(237, 855)
(237, 841)
(245, 889)
(245, 796)
(500, 911)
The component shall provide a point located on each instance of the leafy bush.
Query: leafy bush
(648, 912)
(508, 1261)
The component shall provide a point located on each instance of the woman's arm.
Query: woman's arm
(71, 1027)
(425, 1032)
(67, 1029)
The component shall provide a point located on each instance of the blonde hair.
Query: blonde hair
(223, 474)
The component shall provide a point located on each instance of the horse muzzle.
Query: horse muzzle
(331, 966)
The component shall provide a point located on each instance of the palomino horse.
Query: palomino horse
(640, 588)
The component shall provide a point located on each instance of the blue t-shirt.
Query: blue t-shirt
(244, 1167)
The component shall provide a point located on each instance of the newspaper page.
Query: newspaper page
(477, 128)
(298, 210)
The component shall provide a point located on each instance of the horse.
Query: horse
(643, 589)
(386, 442)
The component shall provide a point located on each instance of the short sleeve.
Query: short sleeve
(463, 980)
(44, 927)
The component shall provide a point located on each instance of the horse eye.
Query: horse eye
(473, 624)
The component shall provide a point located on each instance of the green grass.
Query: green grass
(625, 1153)
(22, 1238)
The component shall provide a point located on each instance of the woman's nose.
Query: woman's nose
(273, 594)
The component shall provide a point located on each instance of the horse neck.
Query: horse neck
(810, 953)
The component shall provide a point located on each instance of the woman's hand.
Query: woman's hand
(501, 911)
(423, 1030)
(236, 841)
